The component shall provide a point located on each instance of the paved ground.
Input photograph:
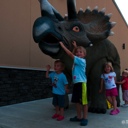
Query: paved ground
(37, 114)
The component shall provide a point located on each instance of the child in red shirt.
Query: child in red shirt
(124, 84)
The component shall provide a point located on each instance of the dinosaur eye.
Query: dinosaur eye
(76, 29)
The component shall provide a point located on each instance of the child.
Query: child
(60, 84)
(108, 78)
(79, 95)
(124, 83)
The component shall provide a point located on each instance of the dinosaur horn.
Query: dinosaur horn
(46, 8)
(57, 14)
(71, 5)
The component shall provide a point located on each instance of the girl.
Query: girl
(124, 83)
(79, 96)
(108, 78)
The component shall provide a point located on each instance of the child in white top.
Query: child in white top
(108, 79)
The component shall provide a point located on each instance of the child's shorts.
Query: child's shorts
(112, 92)
(79, 93)
(125, 95)
(58, 100)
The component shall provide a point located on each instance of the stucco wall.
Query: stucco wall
(17, 48)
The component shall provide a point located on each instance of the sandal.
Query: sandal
(114, 112)
(118, 110)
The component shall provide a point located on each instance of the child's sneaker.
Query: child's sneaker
(55, 116)
(84, 122)
(59, 118)
(75, 119)
(114, 112)
(124, 105)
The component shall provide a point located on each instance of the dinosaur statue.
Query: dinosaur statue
(85, 27)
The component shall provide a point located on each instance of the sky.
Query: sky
(123, 7)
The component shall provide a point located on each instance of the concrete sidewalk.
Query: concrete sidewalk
(37, 114)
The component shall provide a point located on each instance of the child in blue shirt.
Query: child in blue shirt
(59, 88)
(79, 96)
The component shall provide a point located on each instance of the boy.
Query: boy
(60, 87)
(79, 96)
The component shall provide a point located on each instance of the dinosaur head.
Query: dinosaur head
(45, 34)
(84, 27)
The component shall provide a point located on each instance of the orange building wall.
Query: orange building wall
(17, 48)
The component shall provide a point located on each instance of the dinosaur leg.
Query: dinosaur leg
(97, 101)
